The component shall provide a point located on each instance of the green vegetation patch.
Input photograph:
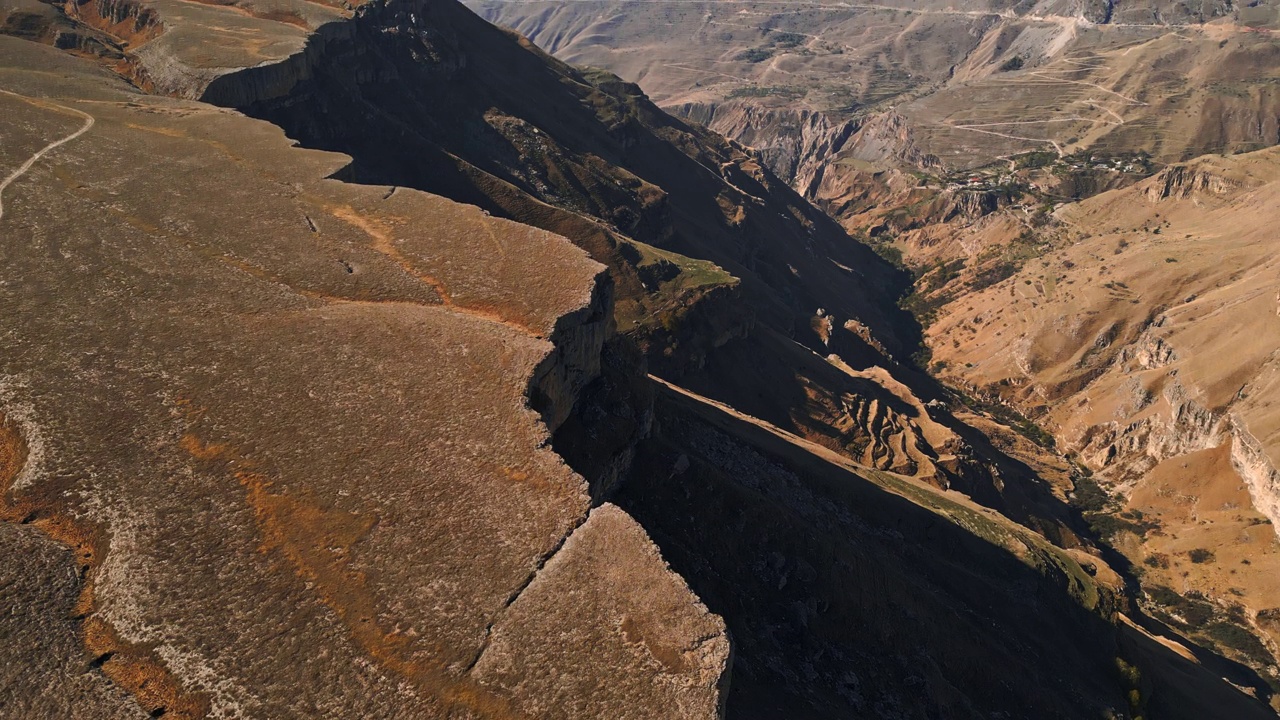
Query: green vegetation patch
(929, 295)
(998, 264)
(670, 279)
(1035, 159)
(1014, 63)
(1238, 638)
(1107, 525)
(1201, 556)
(759, 91)
(692, 273)
(1009, 417)
(755, 55)
(786, 39)
(1089, 496)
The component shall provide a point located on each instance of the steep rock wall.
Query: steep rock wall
(795, 144)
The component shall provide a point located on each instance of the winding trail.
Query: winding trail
(973, 128)
(1044, 74)
(24, 167)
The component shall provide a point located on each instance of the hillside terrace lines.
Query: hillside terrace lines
(1057, 148)
(1005, 14)
(24, 167)
(1050, 77)
(1070, 118)
(980, 127)
(1044, 74)
(706, 72)
(283, 14)
(1074, 21)
(1113, 113)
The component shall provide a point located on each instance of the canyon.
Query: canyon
(967, 142)
(1080, 192)
(369, 360)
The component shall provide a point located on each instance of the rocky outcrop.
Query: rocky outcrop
(1150, 351)
(846, 598)
(889, 136)
(1257, 469)
(577, 341)
(1126, 450)
(609, 567)
(695, 328)
(706, 248)
(880, 438)
(238, 87)
(39, 590)
(129, 20)
(1182, 181)
(794, 143)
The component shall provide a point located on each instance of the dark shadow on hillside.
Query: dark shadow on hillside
(846, 600)
(451, 105)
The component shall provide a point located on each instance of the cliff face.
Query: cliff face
(580, 152)
(795, 144)
(669, 207)
(857, 593)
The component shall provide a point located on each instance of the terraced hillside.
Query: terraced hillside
(812, 85)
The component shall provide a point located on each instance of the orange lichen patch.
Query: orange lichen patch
(381, 235)
(344, 6)
(227, 5)
(523, 476)
(136, 669)
(166, 131)
(13, 453)
(289, 17)
(200, 450)
(141, 673)
(317, 541)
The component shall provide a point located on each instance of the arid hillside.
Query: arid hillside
(327, 393)
(728, 281)
(838, 99)
(1143, 335)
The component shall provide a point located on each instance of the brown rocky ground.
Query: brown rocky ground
(284, 423)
